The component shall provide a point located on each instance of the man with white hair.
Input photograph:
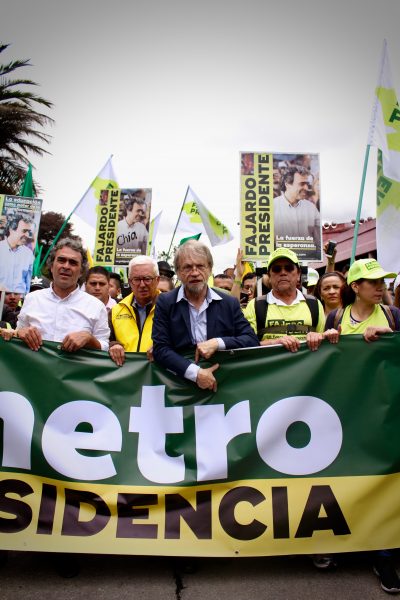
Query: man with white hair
(131, 320)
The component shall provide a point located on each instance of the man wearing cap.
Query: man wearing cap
(165, 269)
(312, 280)
(166, 281)
(196, 318)
(284, 316)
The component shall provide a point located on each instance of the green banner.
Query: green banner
(294, 453)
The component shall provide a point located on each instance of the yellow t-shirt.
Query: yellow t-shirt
(376, 319)
(281, 318)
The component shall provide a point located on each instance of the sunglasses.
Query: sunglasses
(289, 268)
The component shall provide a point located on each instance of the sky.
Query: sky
(175, 90)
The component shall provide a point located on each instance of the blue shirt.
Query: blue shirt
(198, 325)
(15, 268)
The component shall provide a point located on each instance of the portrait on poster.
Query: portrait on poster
(280, 204)
(19, 226)
(297, 220)
(122, 231)
(133, 224)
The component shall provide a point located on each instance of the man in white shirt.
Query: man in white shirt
(296, 219)
(131, 233)
(64, 313)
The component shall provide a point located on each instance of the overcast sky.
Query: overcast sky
(175, 90)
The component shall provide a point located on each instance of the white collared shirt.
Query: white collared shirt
(198, 325)
(271, 299)
(55, 317)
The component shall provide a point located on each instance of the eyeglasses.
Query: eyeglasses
(146, 280)
(189, 268)
(289, 268)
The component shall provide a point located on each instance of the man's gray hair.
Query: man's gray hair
(193, 248)
(68, 243)
(143, 260)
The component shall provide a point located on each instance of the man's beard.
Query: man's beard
(196, 288)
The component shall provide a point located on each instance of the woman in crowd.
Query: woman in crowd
(362, 310)
(363, 313)
(328, 290)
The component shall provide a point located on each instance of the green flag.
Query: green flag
(27, 188)
(186, 239)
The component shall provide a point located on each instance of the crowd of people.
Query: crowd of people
(167, 311)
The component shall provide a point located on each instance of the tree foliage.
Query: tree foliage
(20, 124)
(163, 255)
(50, 225)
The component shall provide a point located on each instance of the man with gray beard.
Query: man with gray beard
(195, 316)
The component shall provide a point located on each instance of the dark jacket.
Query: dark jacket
(172, 332)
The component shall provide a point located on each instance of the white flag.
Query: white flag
(86, 208)
(196, 218)
(384, 133)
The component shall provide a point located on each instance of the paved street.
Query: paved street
(31, 576)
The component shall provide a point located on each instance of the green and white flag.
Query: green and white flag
(196, 218)
(384, 133)
(86, 208)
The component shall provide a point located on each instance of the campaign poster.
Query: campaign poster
(280, 205)
(123, 220)
(19, 226)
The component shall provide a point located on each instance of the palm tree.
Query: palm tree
(20, 124)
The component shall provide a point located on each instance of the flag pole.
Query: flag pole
(177, 223)
(360, 201)
(63, 226)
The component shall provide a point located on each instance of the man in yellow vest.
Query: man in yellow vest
(131, 320)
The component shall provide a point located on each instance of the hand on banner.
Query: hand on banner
(7, 334)
(31, 336)
(117, 354)
(290, 342)
(77, 340)
(206, 349)
(206, 380)
(371, 334)
(333, 335)
(314, 340)
(149, 354)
